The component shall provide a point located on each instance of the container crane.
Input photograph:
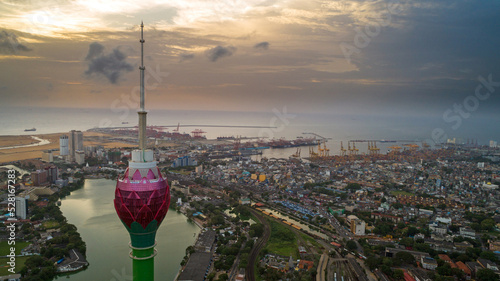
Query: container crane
(297, 153)
(342, 149)
(326, 150)
(394, 148)
(372, 148)
(198, 133)
(176, 131)
(352, 150)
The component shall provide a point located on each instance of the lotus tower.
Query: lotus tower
(142, 196)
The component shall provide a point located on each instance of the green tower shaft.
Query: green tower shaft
(143, 263)
(143, 250)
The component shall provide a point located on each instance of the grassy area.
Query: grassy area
(401, 192)
(4, 267)
(50, 224)
(282, 241)
(5, 247)
(311, 240)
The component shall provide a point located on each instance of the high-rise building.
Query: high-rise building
(493, 144)
(75, 143)
(53, 174)
(63, 145)
(79, 157)
(21, 208)
(114, 156)
(142, 197)
(357, 226)
(47, 156)
(184, 161)
(40, 177)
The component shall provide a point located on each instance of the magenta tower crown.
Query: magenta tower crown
(142, 196)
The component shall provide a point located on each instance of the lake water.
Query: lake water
(91, 210)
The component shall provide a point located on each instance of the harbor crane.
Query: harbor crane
(322, 151)
(372, 148)
(342, 149)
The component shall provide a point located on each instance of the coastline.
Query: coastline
(21, 147)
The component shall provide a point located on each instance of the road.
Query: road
(323, 262)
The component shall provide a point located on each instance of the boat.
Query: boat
(387, 141)
(256, 147)
(124, 122)
(30, 130)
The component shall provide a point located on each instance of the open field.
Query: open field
(23, 153)
(280, 242)
(6, 141)
(401, 192)
(5, 247)
(50, 224)
(4, 267)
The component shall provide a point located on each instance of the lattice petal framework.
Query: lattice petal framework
(142, 199)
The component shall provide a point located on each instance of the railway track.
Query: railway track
(254, 253)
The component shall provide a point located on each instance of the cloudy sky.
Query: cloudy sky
(386, 57)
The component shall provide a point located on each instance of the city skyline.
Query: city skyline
(367, 57)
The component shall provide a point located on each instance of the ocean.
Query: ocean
(14, 120)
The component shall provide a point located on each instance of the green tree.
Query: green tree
(454, 228)
(398, 274)
(407, 242)
(397, 205)
(256, 230)
(487, 224)
(405, 257)
(486, 274)
(489, 256)
(223, 277)
(351, 245)
(373, 262)
(412, 231)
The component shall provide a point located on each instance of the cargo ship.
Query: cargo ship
(254, 147)
(30, 130)
(387, 141)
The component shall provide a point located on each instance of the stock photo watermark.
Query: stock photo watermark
(11, 226)
(277, 123)
(121, 276)
(460, 111)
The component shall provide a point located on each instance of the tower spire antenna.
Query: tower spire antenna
(142, 112)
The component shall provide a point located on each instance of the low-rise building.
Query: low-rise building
(467, 232)
(465, 269)
(428, 263)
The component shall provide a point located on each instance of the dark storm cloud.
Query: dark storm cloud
(95, 49)
(442, 47)
(10, 45)
(450, 36)
(112, 65)
(184, 57)
(219, 52)
(262, 45)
